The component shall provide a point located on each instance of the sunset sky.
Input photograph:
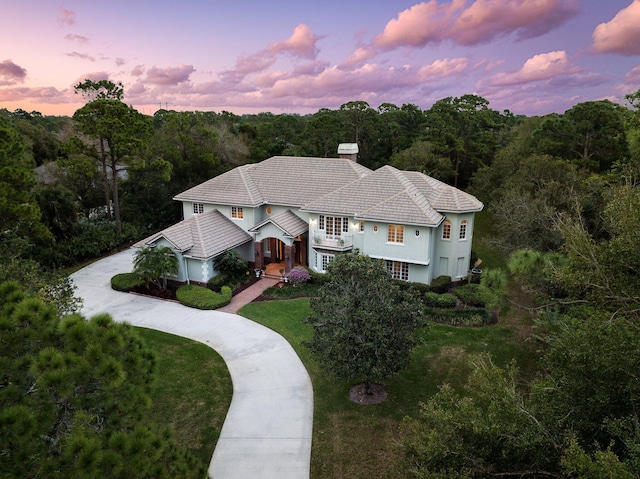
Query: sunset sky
(296, 56)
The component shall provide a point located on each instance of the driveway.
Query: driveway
(267, 431)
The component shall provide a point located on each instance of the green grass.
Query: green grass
(356, 441)
(192, 392)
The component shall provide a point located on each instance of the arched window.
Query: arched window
(463, 230)
(446, 230)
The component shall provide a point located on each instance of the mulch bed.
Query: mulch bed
(358, 394)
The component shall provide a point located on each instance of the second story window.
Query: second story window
(236, 212)
(463, 230)
(198, 208)
(395, 234)
(446, 230)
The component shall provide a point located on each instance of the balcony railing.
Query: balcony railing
(342, 243)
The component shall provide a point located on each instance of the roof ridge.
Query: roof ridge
(246, 177)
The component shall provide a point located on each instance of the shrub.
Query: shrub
(319, 278)
(216, 282)
(199, 297)
(231, 264)
(475, 295)
(441, 284)
(286, 292)
(125, 281)
(460, 317)
(435, 300)
(299, 275)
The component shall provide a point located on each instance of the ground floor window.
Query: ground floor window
(398, 269)
(322, 261)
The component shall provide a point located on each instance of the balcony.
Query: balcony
(319, 238)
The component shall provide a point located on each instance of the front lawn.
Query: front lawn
(192, 392)
(357, 441)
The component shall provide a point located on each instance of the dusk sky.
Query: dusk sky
(246, 56)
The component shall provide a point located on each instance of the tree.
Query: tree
(490, 429)
(19, 212)
(73, 396)
(364, 324)
(155, 263)
(122, 133)
(101, 89)
(421, 157)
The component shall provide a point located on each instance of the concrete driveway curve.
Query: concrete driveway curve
(267, 431)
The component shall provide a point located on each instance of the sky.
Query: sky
(531, 57)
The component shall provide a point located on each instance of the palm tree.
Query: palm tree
(155, 263)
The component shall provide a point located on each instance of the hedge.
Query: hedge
(441, 284)
(199, 297)
(435, 300)
(474, 295)
(125, 282)
(460, 317)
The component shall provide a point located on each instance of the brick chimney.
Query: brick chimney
(348, 151)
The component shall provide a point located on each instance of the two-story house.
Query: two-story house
(295, 210)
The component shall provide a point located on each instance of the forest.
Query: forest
(561, 197)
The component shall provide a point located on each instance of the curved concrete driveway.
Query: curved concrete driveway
(267, 431)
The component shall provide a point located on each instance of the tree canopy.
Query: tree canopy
(364, 325)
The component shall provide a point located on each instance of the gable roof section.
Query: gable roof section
(201, 236)
(290, 224)
(279, 180)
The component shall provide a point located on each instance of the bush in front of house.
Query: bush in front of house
(298, 275)
(125, 282)
(460, 317)
(435, 300)
(199, 297)
(441, 284)
(475, 295)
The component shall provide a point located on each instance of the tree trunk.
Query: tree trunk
(105, 179)
(116, 198)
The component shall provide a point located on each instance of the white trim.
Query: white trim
(403, 260)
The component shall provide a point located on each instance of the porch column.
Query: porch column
(258, 254)
(289, 256)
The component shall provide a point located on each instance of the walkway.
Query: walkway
(267, 431)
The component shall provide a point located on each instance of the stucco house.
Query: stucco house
(300, 210)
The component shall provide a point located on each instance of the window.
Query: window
(236, 212)
(198, 208)
(361, 226)
(395, 234)
(446, 230)
(463, 230)
(334, 226)
(398, 269)
(326, 259)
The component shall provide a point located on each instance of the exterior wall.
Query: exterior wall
(452, 256)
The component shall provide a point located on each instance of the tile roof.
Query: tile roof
(290, 223)
(391, 195)
(279, 180)
(202, 236)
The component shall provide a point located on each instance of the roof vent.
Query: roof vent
(348, 151)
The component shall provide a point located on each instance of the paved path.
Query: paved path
(267, 431)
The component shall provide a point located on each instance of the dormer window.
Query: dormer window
(198, 208)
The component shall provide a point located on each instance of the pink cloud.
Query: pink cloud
(76, 38)
(169, 75)
(120, 61)
(620, 35)
(633, 75)
(81, 56)
(537, 68)
(359, 56)
(481, 21)
(49, 95)
(301, 43)
(66, 17)
(10, 73)
(137, 71)
(93, 76)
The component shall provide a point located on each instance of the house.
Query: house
(295, 210)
